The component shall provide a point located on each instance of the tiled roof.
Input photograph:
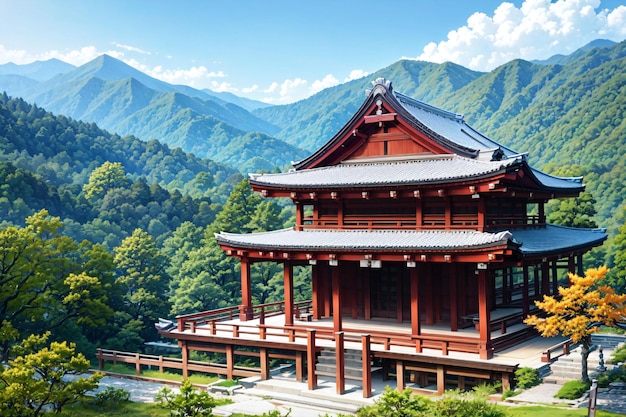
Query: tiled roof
(557, 239)
(533, 241)
(382, 240)
(439, 169)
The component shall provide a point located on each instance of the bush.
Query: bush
(527, 377)
(614, 375)
(572, 390)
(112, 397)
(394, 403)
(618, 355)
(507, 393)
(484, 389)
(464, 407)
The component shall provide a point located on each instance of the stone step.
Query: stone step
(320, 402)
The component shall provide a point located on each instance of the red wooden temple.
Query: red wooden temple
(423, 237)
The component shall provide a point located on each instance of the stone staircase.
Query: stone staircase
(569, 367)
(353, 364)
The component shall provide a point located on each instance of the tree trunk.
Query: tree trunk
(584, 353)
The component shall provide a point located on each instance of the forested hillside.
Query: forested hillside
(122, 99)
(102, 235)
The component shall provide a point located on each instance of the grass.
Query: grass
(201, 379)
(541, 411)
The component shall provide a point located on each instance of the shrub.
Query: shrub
(485, 390)
(527, 377)
(572, 390)
(614, 375)
(112, 397)
(618, 355)
(507, 393)
(394, 403)
(458, 406)
(189, 403)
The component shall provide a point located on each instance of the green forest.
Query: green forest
(102, 235)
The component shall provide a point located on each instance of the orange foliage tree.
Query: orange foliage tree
(579, 309)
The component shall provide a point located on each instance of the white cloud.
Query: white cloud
(197, 77)
(355, 74)
(536, 30)
(318, 85)
(131, 48)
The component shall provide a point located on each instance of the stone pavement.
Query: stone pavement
(257, 402)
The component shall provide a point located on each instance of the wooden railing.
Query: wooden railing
(163, 362)
(261, 311)
(559, 349)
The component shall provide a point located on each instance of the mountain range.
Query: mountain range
(567, 112)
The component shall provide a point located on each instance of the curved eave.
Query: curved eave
(448, 169)
(551, 183)
(323, 240)
(557, 240)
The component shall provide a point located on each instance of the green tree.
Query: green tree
(238, 210)
(616, 277)
(142, 278)
(573, 212)
(38, 378)
(108, 176)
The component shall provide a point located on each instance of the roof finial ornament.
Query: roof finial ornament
(381, 86)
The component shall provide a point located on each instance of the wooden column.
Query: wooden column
(288, 282)
(340, 363)
(367, 300)
(311, 357)
(441, 380)
(537, 283)
(454, 311)
(367, 365)
(484, 315)
(230, 361)
(580, 268)
(555, 278)
(400, 381)
(525, 298)
(428, 290)
(336, 284)
(327, 290)
(315, 293)
(545, 278)
(185, 359)
(505, 285)
(265, 365)
(571, 264)
(416, 328)
(300, 366)
(245, 309)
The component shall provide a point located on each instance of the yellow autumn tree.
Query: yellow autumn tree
(579, 309)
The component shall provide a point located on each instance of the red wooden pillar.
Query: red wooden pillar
(245, 309)
(336, 284)
(185, 359)
(579, 259)
(545, 278)
(454, 311)
(310, 359)
(571, 264)
(525, 298)
(230, 361)
(367, 365)
(400, 381)
(505, 285)
(315, 293)
(441, 380)
(340, 372)
(367, 300)
(415, 309)
(288, 282)
(484, 315)
(555, 278)
(265, 364)
(428, 290)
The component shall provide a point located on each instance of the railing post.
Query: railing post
(161, 363)
(566, 348)
(137, 364)
(181, 324)
(235, 330)
(100, 359)
(262, 331)
(212, 327)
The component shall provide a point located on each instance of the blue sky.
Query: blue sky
(283, 51)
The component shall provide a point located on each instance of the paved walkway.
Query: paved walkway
(257, 404)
